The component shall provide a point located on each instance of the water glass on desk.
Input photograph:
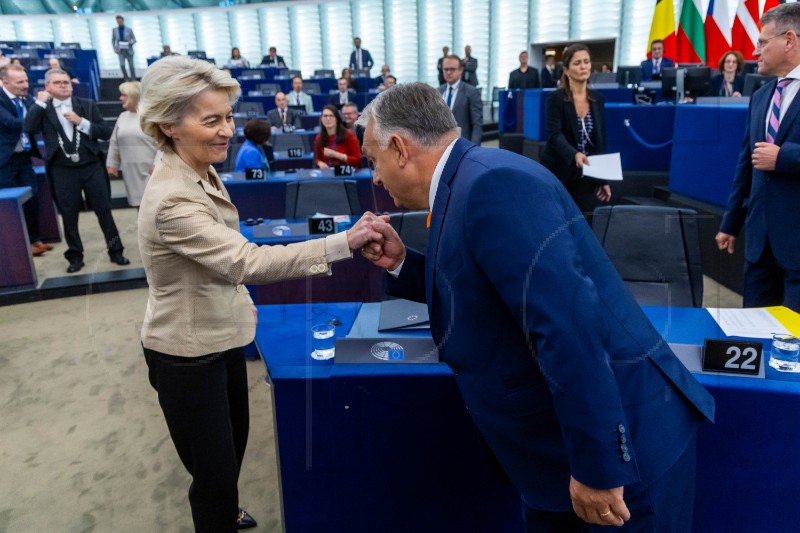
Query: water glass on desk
(323, 341)
(785, 353)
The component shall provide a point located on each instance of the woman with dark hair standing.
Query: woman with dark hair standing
(576, 130)
(335, 145)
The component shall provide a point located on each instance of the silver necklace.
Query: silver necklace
(75, 158)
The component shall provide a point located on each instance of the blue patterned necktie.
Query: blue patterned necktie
(450, 97)
(23, 137)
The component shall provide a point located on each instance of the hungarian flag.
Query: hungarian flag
(691, 39)
(663, 28)
(745, 28)
(717, 32)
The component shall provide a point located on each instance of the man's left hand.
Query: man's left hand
(73, 117)
(765, 155)
(602, 507)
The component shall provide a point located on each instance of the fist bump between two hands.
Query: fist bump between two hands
(378, 241)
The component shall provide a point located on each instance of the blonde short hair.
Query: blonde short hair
(168, 89)
(131, 89)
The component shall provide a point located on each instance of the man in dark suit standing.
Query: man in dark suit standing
(16, 148)
(439, 67)
(766, 190)
(122, 39)
(343, 95)
(71, 128)
(583, 404)
(283, 116)
(463, 100)
(525, 77)
(360, 58)
(653, 67)
(470, 67)
(549, 74)
(273, 59)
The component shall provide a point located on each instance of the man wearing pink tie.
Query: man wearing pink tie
(766, 190)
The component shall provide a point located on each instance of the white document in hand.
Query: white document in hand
(604, 167)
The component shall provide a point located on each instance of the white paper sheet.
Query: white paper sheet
(755, 323)
(604, 167)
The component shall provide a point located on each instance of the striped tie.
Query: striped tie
(775, 114)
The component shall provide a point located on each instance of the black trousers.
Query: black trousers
(204, 400)
(766, 283)
(68, 184)
(665, 506)
(18, 172)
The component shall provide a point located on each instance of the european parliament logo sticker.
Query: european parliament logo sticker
(388, 351)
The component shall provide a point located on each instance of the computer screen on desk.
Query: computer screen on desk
(753, 82)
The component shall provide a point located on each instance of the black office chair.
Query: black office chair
(281, 142)
(269, 89)
(412, 226)
(656, 250)
(293, 73)
(311, 87)
(329, 196)
(324, 73)
(252, 74)
(250, 109)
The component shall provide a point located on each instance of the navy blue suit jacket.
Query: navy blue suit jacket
(559, 368)
(366, 60)
(766, 202)
(647, 67)
(11, 128)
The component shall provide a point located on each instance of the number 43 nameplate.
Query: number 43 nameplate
(735, 357)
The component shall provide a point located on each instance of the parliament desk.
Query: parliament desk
(49, 230)
(655, 124)
(350, 280)
(16, 267)
(267, 198)
(391, 448)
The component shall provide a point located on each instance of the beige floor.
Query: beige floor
(84, 445)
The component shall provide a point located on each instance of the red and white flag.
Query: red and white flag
(718, 31)
(745, 28)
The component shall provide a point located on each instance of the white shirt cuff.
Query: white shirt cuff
(396, 271)
(43, 105)
(85, 126)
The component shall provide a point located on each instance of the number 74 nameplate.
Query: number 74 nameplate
(733, 357)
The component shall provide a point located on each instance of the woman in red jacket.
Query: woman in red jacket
(336, 145)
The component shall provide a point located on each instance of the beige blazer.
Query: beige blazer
(197, 261)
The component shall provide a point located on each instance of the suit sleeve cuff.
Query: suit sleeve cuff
(336, 247)
(396, 271)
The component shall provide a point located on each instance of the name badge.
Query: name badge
(254, 174)
(735, 357)
(343, 170)
(295, 153)
(321, 226)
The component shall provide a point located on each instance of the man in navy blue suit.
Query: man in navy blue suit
(766, 190)
(588, 411)
(360, 58)
(16, 148)
(653, 67)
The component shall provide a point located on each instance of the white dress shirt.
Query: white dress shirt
(455, 87)
(61, 107)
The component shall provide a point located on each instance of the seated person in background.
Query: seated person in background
(549, 74)
(255, 151)
(54, 63)
(282, 116)
(391, 81)
(335, 145)
(605, 68)
(349, 117)
(381, 80)
(652, 68)
(273, 59)
(298, 97)
(237, 60)
(525, 77)
(351, 81)
(166, 51)
(343, 95)
(729, 82)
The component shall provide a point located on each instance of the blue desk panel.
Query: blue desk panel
(535, 105)
(653, 123)
(351, 436)
(17, 270)
(705, 150)
(511, 112)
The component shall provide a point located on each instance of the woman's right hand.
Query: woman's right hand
(322, 165)
(581, 159)
(112, 171)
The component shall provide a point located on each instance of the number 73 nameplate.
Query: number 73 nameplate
(735, 357)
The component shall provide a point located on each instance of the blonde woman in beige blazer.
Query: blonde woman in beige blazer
(199, 315)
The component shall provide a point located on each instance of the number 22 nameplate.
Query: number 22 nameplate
(735, 357)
